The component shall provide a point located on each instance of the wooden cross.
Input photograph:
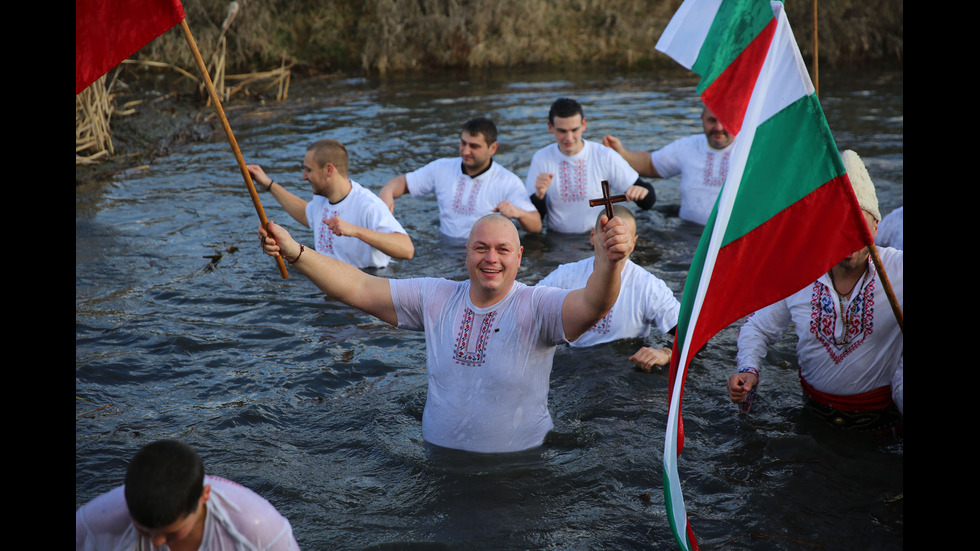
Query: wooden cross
(607, 200)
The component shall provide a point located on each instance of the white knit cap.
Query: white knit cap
(861, 182)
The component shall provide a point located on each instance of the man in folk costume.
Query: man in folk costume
(850, 347)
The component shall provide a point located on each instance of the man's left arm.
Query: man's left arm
(394, 244)
(584, 307)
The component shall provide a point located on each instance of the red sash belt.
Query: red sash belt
(872, 400)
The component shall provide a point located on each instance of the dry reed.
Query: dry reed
(93, 110)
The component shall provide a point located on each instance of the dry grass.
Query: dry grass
(388, 36)
(93, 110)
(382, 36)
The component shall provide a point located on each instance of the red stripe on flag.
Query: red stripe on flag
(728, 96)
(109, 31)
(743, 279)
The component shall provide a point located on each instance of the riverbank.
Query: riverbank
(384, 36)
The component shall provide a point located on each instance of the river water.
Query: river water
(184, 329)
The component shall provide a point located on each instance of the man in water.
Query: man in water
(564, 175)
(644, 300)
(891, 230)
(702, 162)
(349, 222)
(490, 340)
(469, 186)
(167, 499)
(850, 348)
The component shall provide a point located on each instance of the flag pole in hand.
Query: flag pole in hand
(231, 137)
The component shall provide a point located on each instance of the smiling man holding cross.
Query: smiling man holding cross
(490, 340)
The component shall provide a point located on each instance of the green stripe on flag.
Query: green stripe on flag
(735, 25)
(800, 139)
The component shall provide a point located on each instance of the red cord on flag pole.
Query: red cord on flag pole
(231, 137)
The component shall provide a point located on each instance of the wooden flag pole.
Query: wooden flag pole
(816, 45)
(889, 292)
(231, 137)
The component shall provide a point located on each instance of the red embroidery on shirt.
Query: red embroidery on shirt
(859, 319)
(472, 349)
(604, 325)
(572, 181)
(470, 204)
(710, 179)
(324, 241)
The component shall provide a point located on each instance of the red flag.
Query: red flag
(109, 31)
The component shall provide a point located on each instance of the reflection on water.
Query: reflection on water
(318, 407)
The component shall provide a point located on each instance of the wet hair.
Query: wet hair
(481, 126)
(164, 483)
(329, 151)
(564, 108)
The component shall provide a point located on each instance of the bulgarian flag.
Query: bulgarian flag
(109, 31)
(787, 212)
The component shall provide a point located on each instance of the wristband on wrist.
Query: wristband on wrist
(269, 187)
(301, 249)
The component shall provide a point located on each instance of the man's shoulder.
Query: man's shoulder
(637, 276)
(454, 163)
(893, 260)
(565, 276)
(362, 194)
(547, 150)
(103, 521)
(426, 284)
(250, 514)
(439, 165)
(587, 264)
(694, 141)
(500, 172)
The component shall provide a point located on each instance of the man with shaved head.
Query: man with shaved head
(644, 300)
(490, 340)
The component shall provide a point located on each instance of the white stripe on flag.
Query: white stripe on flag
(684, 35)
(790, 80)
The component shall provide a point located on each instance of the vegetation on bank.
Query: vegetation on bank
(388, 36)
(267, 40)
